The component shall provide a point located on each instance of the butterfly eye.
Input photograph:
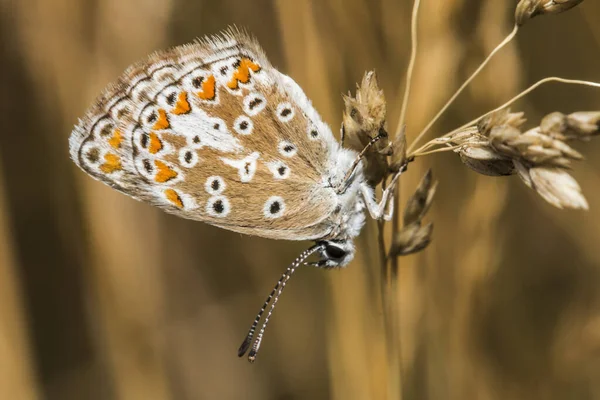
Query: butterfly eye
(334, 252)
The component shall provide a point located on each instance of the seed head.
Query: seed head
(414, 237)
(484, 159)
(532, 147)
(501, 117)
(579, 125)
(419, 203)
(555, 185)
(411, 239)
(364, 118)
(527, 9)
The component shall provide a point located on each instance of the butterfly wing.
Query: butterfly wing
(210, 131)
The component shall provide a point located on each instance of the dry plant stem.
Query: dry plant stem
(440, 150)
(440, 141)
(519, 96)
(411, 65)
(390, 293)
(463, 86)
(401, 121)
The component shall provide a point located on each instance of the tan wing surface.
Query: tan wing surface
(210, 131)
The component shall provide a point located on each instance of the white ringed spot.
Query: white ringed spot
(285, 112)
(188, 157)
(274, 207)
(92, 154)
(243, 125)
(313, 132)
(215, 185)
(103, 128)
(254, 103)
(287, 149)
(279, 169)
(218, 206)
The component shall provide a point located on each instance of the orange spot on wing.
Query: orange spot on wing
(174, 198)
(155, 144)
(116, 139)
(183, 105)
(112, 163)
(242, 73)
(163, 121)
(208, 88)
(164, 173)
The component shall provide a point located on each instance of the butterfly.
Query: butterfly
(211, 131)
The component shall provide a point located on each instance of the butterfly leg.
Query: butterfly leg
(385, 208)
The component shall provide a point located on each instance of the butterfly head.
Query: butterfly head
(335, 253)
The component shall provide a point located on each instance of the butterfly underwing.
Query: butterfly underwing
(210, 131)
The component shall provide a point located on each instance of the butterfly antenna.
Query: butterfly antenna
(277, 289)
(358, 158)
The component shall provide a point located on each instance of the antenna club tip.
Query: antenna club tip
(244, 347)
(252, 356)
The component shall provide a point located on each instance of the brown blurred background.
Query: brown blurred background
(103, 297)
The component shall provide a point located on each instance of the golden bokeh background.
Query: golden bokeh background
(103, 297)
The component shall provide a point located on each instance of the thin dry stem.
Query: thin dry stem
(440, 150)
(519, 96)
(463, 86)
(391, 295)
(411, 65)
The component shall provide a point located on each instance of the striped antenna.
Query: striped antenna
(277, 289)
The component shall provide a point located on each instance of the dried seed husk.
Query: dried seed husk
(411, 239)
(584, 123)
(532, 146)
(486, 161)
(528, 9)
(421, 200)
(364, 118)
(581, 125)
(500, 118)
(501, 138)
(557, 187)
